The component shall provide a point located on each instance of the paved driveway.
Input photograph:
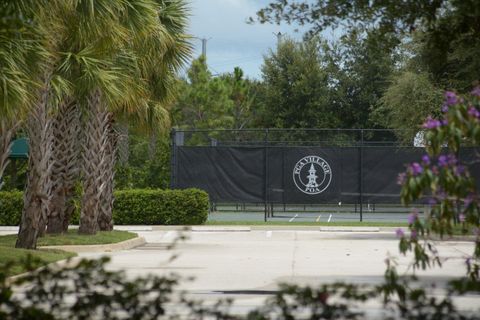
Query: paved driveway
(247, 264)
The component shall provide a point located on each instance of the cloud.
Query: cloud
(232, 42)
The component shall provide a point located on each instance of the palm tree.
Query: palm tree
(45, 32)
(26, 85)
(159, 48)
(15, 49)
(65, 172)
(99, 65)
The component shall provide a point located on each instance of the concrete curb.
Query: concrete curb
(220, 229)
(124, 245)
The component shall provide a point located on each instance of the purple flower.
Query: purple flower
(402, 177)
(444, 122)
(431, 123)
(476, 91)
(450, 98)
(442, 195)
(443, 161)
(412, 217)
(426, 160)
(399, 232)
(452, 159)
(432, 201)
(459, 170)
(445, 108)
(472, 111)
(416, 168)
(468, 200)
(461, 217)
(413, 234)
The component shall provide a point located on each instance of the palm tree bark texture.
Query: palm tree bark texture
(66, 147)
(7, 130)
(105, 221)
(39, 184)
(94, 158)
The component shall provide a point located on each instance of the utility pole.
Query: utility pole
(204, 47)
(279, 36)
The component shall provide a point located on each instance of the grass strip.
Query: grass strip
(10, 254)
(73, 238)
(16, 256)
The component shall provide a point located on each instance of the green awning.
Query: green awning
(19, 149)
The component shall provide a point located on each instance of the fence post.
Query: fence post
(361, 175)
(173, 160)
(265, 176)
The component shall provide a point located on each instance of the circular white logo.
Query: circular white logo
(312, 175)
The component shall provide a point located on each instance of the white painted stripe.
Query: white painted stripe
(330, 218)
(293, 218)
(318, 219)
(268, 234)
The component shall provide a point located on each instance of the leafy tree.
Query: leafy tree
(406, 103)
(450, 29)
(242, 97)
(295, 89)
(359, 65)
(204, 102)
(142, 170)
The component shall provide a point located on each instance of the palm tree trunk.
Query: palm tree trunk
(123, 147)
(66, 126)
(37, 192)
(105, 220)
(7, 130)
(152, 145)
(93, 163)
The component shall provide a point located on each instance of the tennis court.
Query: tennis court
(298, 175)
(328, 213)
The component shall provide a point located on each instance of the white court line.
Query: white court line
(318, 219)
(293, 218)
(330, 218)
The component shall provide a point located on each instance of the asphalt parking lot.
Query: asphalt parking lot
(244, 263)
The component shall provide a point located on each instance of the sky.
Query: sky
(231, 41)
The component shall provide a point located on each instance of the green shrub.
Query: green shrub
(170, 207)
(11, 205)
(140, 206)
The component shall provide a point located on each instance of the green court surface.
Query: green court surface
(328, 213)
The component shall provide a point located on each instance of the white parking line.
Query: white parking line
(318, 219)
(293, 218)
(330, 218)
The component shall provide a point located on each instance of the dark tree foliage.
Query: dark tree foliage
(296, 88)
(450, 28)
(316, 84)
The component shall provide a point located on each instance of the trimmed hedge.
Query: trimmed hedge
(140, 206)
(11, 205)
(189, 206)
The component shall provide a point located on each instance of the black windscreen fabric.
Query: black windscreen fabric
(227, 173)
(299, 175)
(284, 186)
(381, 166)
